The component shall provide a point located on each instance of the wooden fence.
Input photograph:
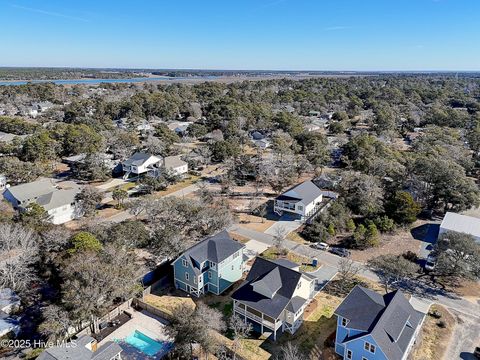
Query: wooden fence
(93, 327)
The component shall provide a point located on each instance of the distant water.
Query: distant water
(99, 81)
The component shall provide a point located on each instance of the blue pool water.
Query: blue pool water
(146, 344)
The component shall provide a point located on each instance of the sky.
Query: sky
(362, 35)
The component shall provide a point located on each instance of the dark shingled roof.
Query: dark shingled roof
(215, 248)
(80, 352)
(278, 275)
(390, 319)
(137, 159)
(305, 192)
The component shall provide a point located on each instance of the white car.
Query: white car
(321, 246)
(430, 262)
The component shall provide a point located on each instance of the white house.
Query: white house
(140, 163)
(175, 164)
(60, 204)
(460, 224)
(303, 200)
(274, 296)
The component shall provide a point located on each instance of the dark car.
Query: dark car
(476, 353)
(340, 251)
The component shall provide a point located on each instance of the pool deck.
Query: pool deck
(148, 324)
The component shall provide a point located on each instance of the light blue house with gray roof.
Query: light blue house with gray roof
(212, 265)
(371, 326)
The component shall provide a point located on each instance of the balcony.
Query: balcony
(257, 318)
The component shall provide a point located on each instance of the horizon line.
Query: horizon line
(242, 70)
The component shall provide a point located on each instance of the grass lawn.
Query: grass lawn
(178, 186)
(126, 186)
(295, 236)
(433, 338)
(305, 263)
(240, 238)
(318, 325)
(253, 222)
(168, 303)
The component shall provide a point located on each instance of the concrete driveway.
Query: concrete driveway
(286, 224)
(254, 247)
(323, 275)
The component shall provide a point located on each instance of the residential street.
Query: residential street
(467, 313)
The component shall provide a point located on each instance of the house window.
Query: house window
(184, 262)
(300, 208)
(209, 274)
(212, 264)
(349, 354)
(232, 267)
(344, 322)
(194, 280)
(299, 285)
(369, 347)
(187, 276)
(364, 358)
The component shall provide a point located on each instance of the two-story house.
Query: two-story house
(302, 200)
(212, 265)
(274, 297)
(371, 326)
(140, 163)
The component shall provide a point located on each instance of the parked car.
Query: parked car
(320, 246)
(476, 353)
(340, 251)
(430, 262)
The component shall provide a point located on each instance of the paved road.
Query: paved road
(185, 191)
(467, 331)
(466, 336)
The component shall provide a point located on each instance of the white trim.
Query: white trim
(346, 354)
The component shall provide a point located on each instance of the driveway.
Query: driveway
(285, 225)
(254, 247)
(112, 183)
(185, 191)
(323, 275)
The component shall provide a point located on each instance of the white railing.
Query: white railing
(256, 318)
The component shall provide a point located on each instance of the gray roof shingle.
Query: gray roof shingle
(305, 192)
(80, 352)
(31, 190)
(274, 306)
(215, 248)
(390, 319)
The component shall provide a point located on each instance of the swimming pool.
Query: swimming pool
(147, 345)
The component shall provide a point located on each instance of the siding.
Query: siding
(357, 347)
(229, 276)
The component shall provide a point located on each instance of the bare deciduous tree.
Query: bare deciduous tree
(18, 251)
(290, 351)
(241, 330)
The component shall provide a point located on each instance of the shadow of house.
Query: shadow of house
(427, 233)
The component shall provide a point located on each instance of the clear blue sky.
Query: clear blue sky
(242, 34)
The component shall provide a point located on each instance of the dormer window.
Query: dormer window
(184, 263)
(344, 322)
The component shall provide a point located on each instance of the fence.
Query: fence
(163, 282)
(93, 327)
(137, 303)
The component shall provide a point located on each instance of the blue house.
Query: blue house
(212, 265)
(371, 326)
